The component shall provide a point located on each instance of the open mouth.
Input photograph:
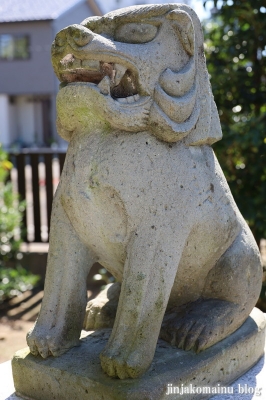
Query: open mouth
(112, 79)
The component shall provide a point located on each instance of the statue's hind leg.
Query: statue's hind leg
(101, 311)
(60, 320)
(231, 291)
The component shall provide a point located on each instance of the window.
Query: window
(14, 47)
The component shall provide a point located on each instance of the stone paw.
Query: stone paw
(48, 342)
(119, 363)
(101, 311)
(201, 324)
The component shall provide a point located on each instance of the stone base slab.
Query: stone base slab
(77, 375)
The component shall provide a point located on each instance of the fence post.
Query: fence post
(20, 161)
(33, 157)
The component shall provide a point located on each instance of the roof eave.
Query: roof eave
(26, 21)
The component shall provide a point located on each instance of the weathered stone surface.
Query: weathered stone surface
(77, 375)
(142, 193)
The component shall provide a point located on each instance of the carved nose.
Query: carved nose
(79, 34)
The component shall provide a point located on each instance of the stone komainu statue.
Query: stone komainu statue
(142, 193)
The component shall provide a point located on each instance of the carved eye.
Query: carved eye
(135, 33)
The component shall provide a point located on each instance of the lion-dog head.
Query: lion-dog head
(135, 69)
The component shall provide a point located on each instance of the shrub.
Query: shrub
(16, 280)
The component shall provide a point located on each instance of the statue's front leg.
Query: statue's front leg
(149, 274)
(59, 323)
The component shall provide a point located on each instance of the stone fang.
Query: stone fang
(104, 85)
(120, 72)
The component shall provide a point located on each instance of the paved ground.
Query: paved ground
(12, 337)
(16, 319)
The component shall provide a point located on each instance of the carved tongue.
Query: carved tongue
(81, 75)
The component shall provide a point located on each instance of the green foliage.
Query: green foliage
(10, 212)
(104, 277)
(13, 281)
(235, 49)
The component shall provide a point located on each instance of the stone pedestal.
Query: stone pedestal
(77, 375)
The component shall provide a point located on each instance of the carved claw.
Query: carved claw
(200, 324)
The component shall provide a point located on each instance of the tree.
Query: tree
(236, 58)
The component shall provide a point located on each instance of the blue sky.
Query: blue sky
(109, 5)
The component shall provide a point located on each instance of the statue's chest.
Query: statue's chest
(93, 204)
(111, 184)
(112, 177)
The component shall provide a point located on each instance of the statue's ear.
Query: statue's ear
(185, 30)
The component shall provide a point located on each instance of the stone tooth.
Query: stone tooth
(122, 100)
(104, 85)
(119, 73)
(130, 99)
(91, 64)
(136, 97)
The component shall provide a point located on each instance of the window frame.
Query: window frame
(15, 56)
